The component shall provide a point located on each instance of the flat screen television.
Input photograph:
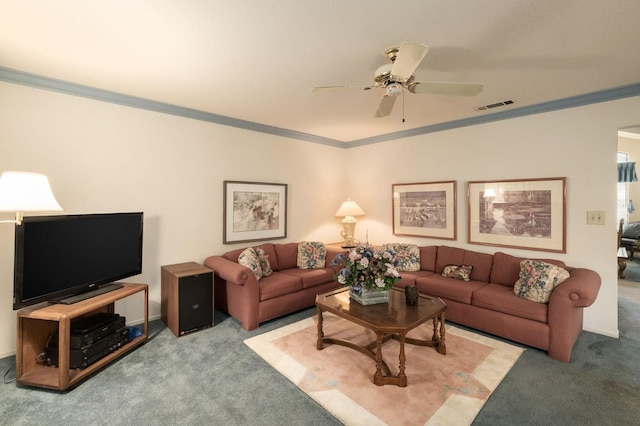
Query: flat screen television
(66, 258)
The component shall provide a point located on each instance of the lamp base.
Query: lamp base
(349, 227)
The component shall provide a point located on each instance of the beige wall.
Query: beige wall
(102, 158)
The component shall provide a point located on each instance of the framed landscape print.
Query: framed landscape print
(527, 214)
(254, 211)
(426, 209)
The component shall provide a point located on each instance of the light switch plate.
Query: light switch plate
(595, 218)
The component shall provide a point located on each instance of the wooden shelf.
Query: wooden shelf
(37, 323)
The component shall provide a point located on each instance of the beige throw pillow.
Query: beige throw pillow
(311, 255)
(538, 280)
(249, 258)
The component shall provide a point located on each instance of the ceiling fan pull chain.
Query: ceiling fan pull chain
(403, 105)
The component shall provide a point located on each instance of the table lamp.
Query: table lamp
(22, 192)
(349, 209)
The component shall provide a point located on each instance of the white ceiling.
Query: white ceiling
(256, 61)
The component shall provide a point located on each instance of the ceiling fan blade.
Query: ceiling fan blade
(409, 57)
(444, 88)
(386, 105)
(322, 88)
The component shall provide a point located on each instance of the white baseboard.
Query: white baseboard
(607, 333)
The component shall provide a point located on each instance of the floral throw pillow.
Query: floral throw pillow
(249, 258)
(461, 272)
(263, 259)
(311, 255)
(407, 256)
(538, 279)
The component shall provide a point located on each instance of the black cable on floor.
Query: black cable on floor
(4, 378)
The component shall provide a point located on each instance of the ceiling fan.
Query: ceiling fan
(398, 75)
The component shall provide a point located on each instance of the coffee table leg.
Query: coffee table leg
(402, 377)
(319, 344)
(442, 347)
(435, 338)
(377, 378)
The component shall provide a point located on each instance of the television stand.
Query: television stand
(37, 323)
(70, 300)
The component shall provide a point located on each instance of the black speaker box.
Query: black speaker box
(195, 303)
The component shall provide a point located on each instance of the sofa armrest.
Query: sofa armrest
(580, 290)
(227, 270)
(565, 311)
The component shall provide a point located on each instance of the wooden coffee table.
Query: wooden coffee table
(392, 320)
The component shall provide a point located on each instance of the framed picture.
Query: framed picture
(254, 211)
(527, 214)
(426, 209)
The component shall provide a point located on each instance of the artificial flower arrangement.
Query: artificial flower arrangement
(367, 267)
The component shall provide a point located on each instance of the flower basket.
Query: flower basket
(369, 296)
(369, 272)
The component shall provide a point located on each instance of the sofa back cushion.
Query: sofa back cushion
(287, 255)
(481, 262)
(506, 268)
(428, 258)
(448, 256)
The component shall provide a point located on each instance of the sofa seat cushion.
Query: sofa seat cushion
(409, 278)
(278, 284)
(311, 277)
(500, 298)
(460, 291)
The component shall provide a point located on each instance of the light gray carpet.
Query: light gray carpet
(212, 378)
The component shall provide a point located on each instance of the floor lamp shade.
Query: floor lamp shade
(26, 192)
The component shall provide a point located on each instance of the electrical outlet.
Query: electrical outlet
(595, 218)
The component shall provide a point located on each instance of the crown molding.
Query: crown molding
(26, 79)
(46, 83)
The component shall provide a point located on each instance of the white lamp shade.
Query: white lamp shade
(489, 193)
(26, 192)
(350, 208)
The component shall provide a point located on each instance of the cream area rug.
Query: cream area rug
(442, 389)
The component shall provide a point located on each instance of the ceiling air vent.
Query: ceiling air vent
(495, 105)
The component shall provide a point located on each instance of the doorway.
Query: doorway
(628, 208)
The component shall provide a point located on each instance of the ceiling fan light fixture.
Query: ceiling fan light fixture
(394, 89)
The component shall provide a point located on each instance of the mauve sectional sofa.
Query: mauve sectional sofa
(486, 302)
